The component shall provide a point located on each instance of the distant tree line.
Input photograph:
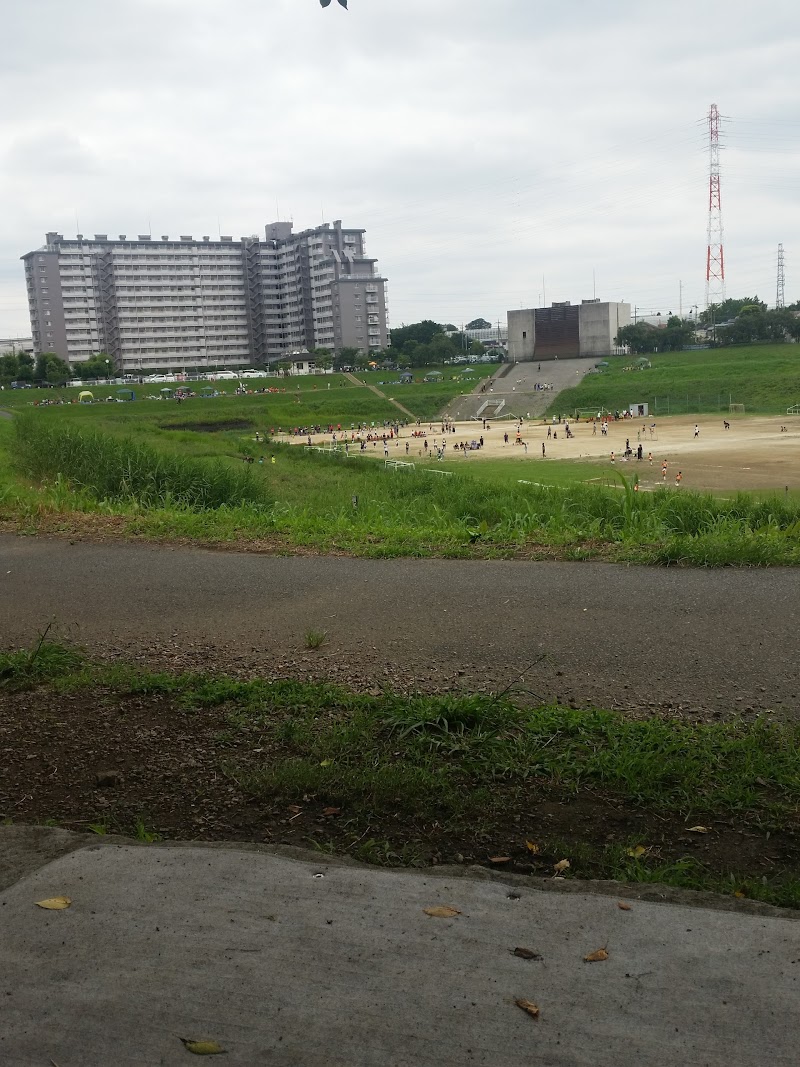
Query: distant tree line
(23, 367)
(641, 337)
(744, 320)
(421, 343)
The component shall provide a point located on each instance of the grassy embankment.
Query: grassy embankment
(397, 779)
(342, 402)
(63, 467)
(765, 378)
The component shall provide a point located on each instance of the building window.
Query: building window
(524, 334)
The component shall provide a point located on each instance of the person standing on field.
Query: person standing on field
(696, 431)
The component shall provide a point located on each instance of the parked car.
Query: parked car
(21, 385)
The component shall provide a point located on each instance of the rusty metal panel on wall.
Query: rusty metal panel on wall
(557, 332)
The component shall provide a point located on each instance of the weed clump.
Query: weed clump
(121, 469)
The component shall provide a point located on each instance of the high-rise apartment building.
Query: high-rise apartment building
(183, 304)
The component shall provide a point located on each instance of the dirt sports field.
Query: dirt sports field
(755, 453)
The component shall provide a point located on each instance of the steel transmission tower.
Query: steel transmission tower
(780, 295)
(715, 256)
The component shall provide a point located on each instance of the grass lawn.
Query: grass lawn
(428, 399)
(405, 779)
(67, 468)
(765, 378)
(302, 398)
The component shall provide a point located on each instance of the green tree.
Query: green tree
(476, 349)
(729, 309)
(479, 324)
(755, 323)
(421, 332)
(639, 337)
(322, 358)
(51, 368)
(96, 367)
(9, 368)
(442, 348)
(346, 357)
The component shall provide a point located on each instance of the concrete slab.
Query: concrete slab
(295, 962)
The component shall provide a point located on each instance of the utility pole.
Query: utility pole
(780, 295)
(680, 299)
(715, 256)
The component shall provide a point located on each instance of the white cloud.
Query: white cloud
(483, 144)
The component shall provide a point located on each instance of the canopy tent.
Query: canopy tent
(166, 393)
(643, 363)
(207, 390)
(85, 397)
(407, 377)
(433, 376)
(126, 394)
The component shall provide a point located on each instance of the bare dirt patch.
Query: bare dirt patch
(755, 453)
(120, 762)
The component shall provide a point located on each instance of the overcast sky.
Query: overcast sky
(497, 152)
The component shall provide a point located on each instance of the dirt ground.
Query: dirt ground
(137, 765)
(753, 454)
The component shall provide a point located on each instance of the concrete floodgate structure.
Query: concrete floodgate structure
(566, 330)
(299, 961)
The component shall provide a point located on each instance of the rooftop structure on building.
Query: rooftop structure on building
(566, 331)
(16, 345)
(185, 302)
(490, 335)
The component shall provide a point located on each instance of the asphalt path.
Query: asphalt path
(697, 641)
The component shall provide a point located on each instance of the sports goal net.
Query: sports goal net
(736, 409)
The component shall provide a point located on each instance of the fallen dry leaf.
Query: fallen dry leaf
(697, 830)
(533, 848)
(295, 808)
(331, 811)
(623, 906)
(527, 954)
(325, 762)
(54, 903)
(561, 866)
(499, 859)
(203, 1048)
(442, 911)
(529, 1007)
(637, 851)
(596, 957)
(740, 894)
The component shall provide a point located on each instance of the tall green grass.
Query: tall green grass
(193, 485)
(121, 469)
